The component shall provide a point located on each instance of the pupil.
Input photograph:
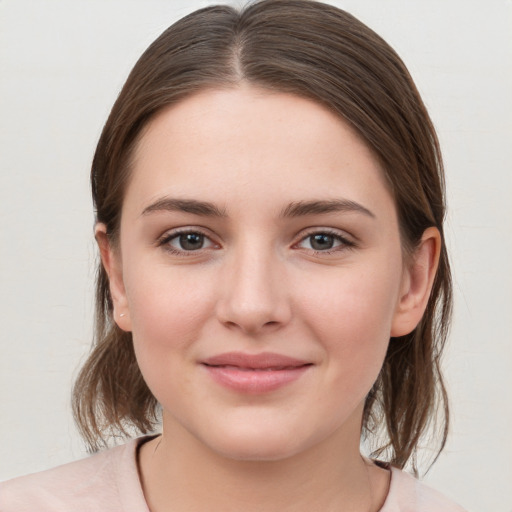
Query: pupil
(322, 241)
(191, 241)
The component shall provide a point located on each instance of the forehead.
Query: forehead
(246, 144)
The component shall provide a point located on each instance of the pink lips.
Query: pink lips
(253, 374)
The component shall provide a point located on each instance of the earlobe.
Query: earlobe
(111, 260)
(417, 283)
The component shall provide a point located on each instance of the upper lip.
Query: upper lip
(256, 361)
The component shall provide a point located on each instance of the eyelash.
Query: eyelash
(345, 243)
(168, 237)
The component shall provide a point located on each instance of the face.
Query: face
(260, 271)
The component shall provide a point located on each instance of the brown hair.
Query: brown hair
(325, 54)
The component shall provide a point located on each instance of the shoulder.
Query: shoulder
(406, 494)
(104, 481)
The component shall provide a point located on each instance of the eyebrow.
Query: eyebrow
(294, 209)
(300, 208)
(193, 206)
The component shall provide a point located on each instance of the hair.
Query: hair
(324, 54)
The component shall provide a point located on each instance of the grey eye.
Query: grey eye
(321, 241)
(189, 241)
(324, 241)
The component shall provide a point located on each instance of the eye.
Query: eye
(325, 241)
(185, 241)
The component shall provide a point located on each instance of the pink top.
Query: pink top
(109, 482)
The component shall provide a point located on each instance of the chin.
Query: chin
(261, 446)
(260, 453)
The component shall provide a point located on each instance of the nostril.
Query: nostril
(251, 327)
(273, 325)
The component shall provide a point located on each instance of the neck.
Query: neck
(179, 473)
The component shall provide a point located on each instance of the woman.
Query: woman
(274, 279)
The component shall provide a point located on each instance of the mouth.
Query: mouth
(251, 369)
(255, 373)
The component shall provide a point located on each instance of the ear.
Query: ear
(417, 281)
(111, 260)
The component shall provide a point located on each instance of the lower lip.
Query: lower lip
(255, 381)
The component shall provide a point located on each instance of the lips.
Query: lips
(255, 373)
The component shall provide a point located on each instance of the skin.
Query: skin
(260, 283)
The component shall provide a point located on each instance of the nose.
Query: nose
(254, 293)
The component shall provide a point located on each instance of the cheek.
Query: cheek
(351, 315)
(353, 301)
(168, 308)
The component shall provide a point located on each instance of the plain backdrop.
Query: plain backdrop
(62, 64)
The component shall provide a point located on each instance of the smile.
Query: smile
(254, 373)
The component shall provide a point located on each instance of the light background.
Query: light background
(62, 64)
